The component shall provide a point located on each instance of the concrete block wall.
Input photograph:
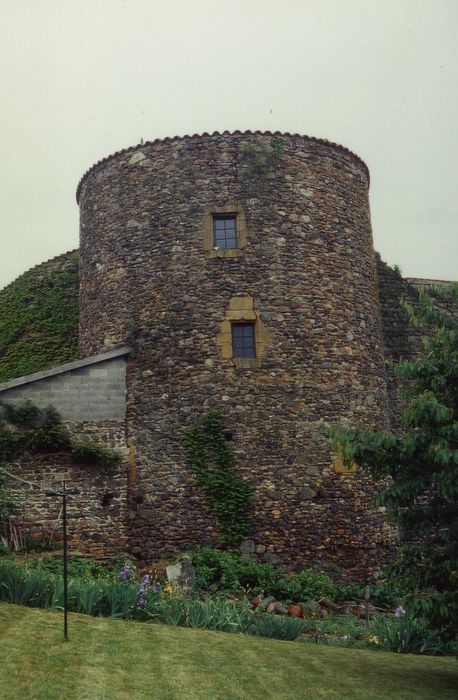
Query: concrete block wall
(92, 389)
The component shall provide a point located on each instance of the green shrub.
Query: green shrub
(23, 587)
(382, 595)
(120, 599)
(230, 617)
(306, 585)
(406, 634)
(256, 578)
(37, 429)
(200, 615)
(37, 587)
(40, 587)
(187, 612)
(87, 596)
(216, 569)
(53, 438)
(276, 627)
(27, 413)
(41, 429)
(96, 455)
(219, 615)
(78, 566)
(225, 616)
(172, 611)
(337, 629)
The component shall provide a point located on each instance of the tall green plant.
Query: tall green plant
(212, 461)
(406, 635)
(8, 499)
(418, 469)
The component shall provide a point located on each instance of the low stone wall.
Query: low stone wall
(90, 396)
(96, 516)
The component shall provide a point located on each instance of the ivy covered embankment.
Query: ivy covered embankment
(39, 318)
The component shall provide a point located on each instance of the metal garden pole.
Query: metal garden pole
(64, 493)
(64, 523)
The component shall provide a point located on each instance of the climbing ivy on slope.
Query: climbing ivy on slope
(39, 318)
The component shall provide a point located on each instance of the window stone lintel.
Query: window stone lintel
(241, 315)
(241, 304)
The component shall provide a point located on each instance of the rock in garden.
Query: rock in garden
(281, 609)
(181, 573)
(295, 610)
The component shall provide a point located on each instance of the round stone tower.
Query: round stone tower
(241, 268)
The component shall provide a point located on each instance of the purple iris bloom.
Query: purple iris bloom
(125, 573)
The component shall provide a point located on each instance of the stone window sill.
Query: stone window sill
(246, 363)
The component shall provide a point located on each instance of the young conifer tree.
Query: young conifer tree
(418, 470)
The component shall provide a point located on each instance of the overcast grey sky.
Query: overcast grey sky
(81, 79)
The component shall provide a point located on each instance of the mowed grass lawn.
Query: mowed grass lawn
(115, 659)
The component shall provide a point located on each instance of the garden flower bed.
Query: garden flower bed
(217, 599)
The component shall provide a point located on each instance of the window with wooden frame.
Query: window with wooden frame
(243, 340)
(243, 337)
(225, 231)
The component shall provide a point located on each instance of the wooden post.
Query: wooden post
(367, 597)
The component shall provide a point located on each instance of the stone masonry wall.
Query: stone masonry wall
(401, 339)
(148, 277)
(97, 516)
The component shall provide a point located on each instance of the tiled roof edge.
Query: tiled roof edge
(187, 137)
(426, 282)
